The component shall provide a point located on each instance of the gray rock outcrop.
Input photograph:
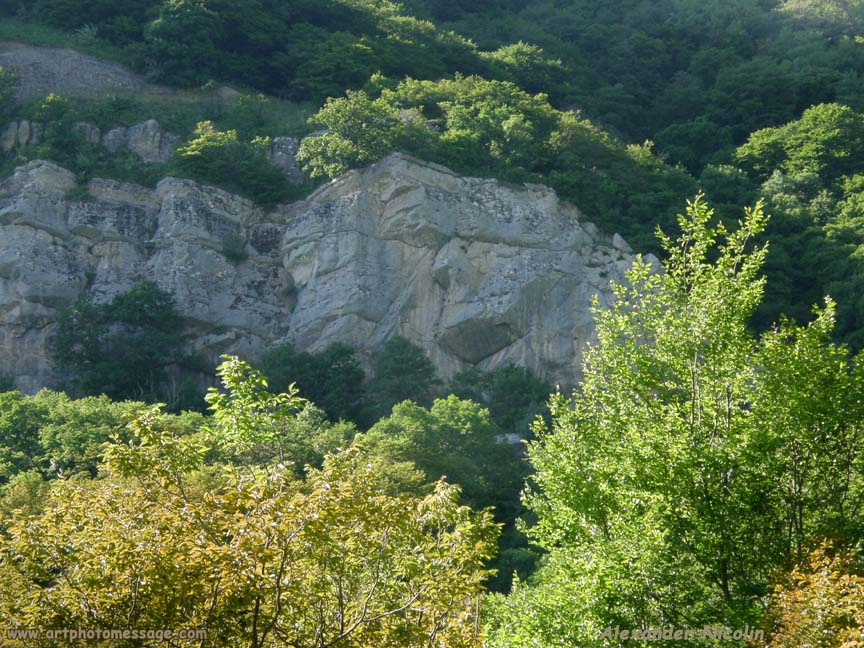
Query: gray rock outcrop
(146, 140)
(283, 155)
(18, 134)
(477, 273)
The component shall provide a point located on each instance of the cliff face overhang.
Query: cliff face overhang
(476, 272)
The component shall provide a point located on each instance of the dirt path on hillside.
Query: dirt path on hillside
(41, 70)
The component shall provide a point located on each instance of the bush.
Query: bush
(332, 379)
(221, 158)
(121, 349)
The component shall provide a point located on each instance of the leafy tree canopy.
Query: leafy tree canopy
(249, 552)
(671, 487)
(810, 172)
(402, 372)
(122, 348)
(332, 379)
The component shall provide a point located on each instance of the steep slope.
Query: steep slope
(477, 273)
(43, 70)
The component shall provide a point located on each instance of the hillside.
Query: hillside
(432, 324)
(42, 70)
(629, 93)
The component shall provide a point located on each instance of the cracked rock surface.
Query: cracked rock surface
(476, 272)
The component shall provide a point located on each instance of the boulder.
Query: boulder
(283, 155)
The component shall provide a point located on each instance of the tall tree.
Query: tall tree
(122, 348)
(403, 371)
(695, 460)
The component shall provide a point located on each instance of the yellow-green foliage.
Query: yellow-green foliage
(821, 603)
(259, 558)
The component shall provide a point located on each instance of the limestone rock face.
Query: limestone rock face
(147, 140)
(477, 273)
(18, 134)
(283, 155)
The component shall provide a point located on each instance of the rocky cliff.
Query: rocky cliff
(476, 272)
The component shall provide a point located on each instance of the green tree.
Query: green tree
(123, 348)
(332, 379)
(73, 434)
(181, 44)
(826, 140)
(221, 158)
(514, 395)
(526, 66)
(453, 439)
(403, 371)
(21, 418)
(257, 557)
(25, 492)
(359, 131)
(809, 169)
(833, 17)
(694, 460)
(248, 417)
(457, 440)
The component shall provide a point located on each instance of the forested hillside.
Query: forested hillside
(706, 472)
(641, 102)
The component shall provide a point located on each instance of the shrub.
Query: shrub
(221, 158)
(122, 348)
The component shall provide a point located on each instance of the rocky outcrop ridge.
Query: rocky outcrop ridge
(18, 134)
(147, 140)
(478, 273)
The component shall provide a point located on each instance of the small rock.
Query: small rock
(23, 132)
(621, 245)
(653, 261)
(116, 139)
(9, 137)
(145, 141)
(90, 132)
(283, 155)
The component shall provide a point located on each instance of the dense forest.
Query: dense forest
(708, 470)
